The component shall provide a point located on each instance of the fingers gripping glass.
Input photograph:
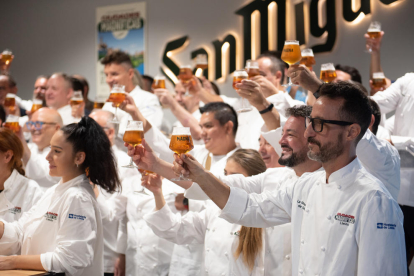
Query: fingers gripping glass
(134, 133)
(317, 124)
(37, 124)
(181, 142)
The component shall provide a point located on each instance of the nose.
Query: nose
(262, 148)
(309, 132)
(48, 156)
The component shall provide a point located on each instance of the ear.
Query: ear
(353, 131)
(229, 127)
(279, 75)
(80, 157)
(372, 121)
(131, 73)
(8, 156)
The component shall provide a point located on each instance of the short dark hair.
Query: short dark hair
(100, 164)
(77, 85)
(117, 57)
(356, 107)
(377, 115)
(2, 114)
(148, 77)
(10, 81)
(299, 111)
(222, 113)
(215, 88)
(352, 71)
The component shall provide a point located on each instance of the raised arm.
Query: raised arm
(302, 76)
(195, 87)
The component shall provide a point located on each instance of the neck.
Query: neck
(3, 177)
(42, 147)
(307, 166)
(71, 175)
(338, 163)
(58, 106)
(226, 148)
(129, 87)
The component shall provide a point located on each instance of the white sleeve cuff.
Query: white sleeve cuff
(162, 219)
(9, 235)
(235, 206)
(195, 192)
(46, 260)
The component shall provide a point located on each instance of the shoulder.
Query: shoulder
(368, 185)
(140, 94)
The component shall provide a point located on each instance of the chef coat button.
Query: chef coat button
(141, 266)
(187, 246)
(268, 251)
(302, 242)
(206, 271)
(323, 249)
(140, 246)
(307, 210)
(139, 209)
(339, 187)
(317, 274)
(223, 274)
(154, 246)
(208, 250)
(328, 217)
(300, 271)
(154, 266)
(214, 229)
(225, 253)
(287, 257)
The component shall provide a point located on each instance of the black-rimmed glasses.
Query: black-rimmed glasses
(37, 124)
(317, 124)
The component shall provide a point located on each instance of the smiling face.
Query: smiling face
(213, 133)
(40, 88)
(233, 167)
(41, 137)
(268, 153)
(119, 74)
(58, 92)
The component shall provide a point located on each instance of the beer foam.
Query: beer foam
(134, 128)
(241, 73)
(10, 95)
(374, 29)
(327, 66)
(291, 42)
(307, 55)
(12, 119)
(77, 99)
(378, 75)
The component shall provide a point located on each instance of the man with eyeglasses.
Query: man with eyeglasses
(42, 126)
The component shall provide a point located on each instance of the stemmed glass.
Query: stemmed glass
(117, 96)
(77, 99)
(328, 72)
(291, 54)
(134, 133)
(181, 142)
(308, 58)
(185, 76)
(6, 58)
(159, 82)
(238, 76)
(374, 32)
(201, 62)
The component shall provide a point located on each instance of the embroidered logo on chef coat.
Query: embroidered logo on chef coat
(51, 216)
(345, 219)
(73, 216)
(301, 205)
(381, 225)
(16, 210)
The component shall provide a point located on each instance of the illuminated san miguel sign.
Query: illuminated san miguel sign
(329, 30)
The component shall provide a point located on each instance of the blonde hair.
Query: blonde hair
(250, 239)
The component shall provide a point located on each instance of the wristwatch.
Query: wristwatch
(269, 108)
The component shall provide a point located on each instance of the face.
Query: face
(102, 120)
(213, 133)
(57, 93)
(118, 74)
(293, 142)
(233, 167)
(43, 136)
(4, 88)
(268, 153)
(342, 76)
(264, 67)
(61, 156)
(40, 88)
(327, 145)
(184, 101)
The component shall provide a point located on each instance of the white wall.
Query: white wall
(48, 36)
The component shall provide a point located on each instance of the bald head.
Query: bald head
(46, 114)
(103, 118)
(49, 122)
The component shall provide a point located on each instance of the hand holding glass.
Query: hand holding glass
(181, 142)
(117, 96)
(291, 54)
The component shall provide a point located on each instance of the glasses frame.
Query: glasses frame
(322, 122)
(29, 124)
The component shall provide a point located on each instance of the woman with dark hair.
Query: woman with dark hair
(17, 193)
(224, 243)
(63, 232)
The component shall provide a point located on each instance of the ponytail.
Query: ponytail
(10, 141)
(99, 164)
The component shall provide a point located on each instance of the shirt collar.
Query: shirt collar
(344, 175)
(13, 178)
(64, 108)
(79, 180)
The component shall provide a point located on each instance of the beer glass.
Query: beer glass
(291, 54)
(12, 122)
(159, 82)
(117, 96)
(185, 76)
(201, 62)
(99, 102)
(6, 58)
(37, 104)
(133, 135)
(307, 58)
(378, 80)
(328, 72)
(76, 99)
(181, 142)
(374, 32)
(238, 76)
(10, 102)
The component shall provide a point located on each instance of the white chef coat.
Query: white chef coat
(18, 196)
(351, 226)
(66, 114)
(37, 167)
(64, 228)
(146, 253)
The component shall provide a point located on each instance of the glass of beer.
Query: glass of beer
(374, 32)
(10, 102)
(181, 142)
(37, 104)
(201, 61)
(185, 76)
(12, 122)
(291, 54)
(378, 81)
(99, 102)
(307, 58)
(159, 82)
(117, 96)
(238, 76)
(134, 133)
(328, 72)
(76, 99)
(6, 58)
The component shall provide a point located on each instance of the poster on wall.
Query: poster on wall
(120, 27)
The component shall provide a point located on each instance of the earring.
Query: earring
(77, 165)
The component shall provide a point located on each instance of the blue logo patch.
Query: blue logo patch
(73, 216)
(381, 225)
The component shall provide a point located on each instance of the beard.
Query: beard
(327, 152)
(294, 159)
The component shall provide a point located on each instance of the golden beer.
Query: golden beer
(36, 107)
(252, 72)
(98, 105)
(238, 79)
(7, 58)
(308, 61)
(291, 53)
(186, 74)
(75, 102)
(378, 80)
(10, 102)
(202, 66)
(328, 75)
(374, 34)
(145, 172)
(117, 98)
(158, 83)
(133, 137)
(181, 143)
(14, 126)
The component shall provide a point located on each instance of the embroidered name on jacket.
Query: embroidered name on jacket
(51, 216)
(73, 216)
(16, 210)
(381, 225)
(345, 219)
(301, 204)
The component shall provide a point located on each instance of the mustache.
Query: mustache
(286, 146)
(312, 140)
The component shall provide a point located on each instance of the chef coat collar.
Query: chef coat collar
(14, 177)
(342, 176)
(75, 181)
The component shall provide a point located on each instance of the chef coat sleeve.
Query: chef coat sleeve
(380, 237)
(153, 112)
(76, 238)
(122, 239)
(112, 208)
(259, 210)
(187, 229)
(389, 99)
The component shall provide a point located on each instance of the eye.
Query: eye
(57, 151)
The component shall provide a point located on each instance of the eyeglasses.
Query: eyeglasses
(37, 125)
(317, 124)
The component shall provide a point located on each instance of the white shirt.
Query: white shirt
(66, 114)
(351, 226)
(37, 167)
(18, 196)
(64, 228)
